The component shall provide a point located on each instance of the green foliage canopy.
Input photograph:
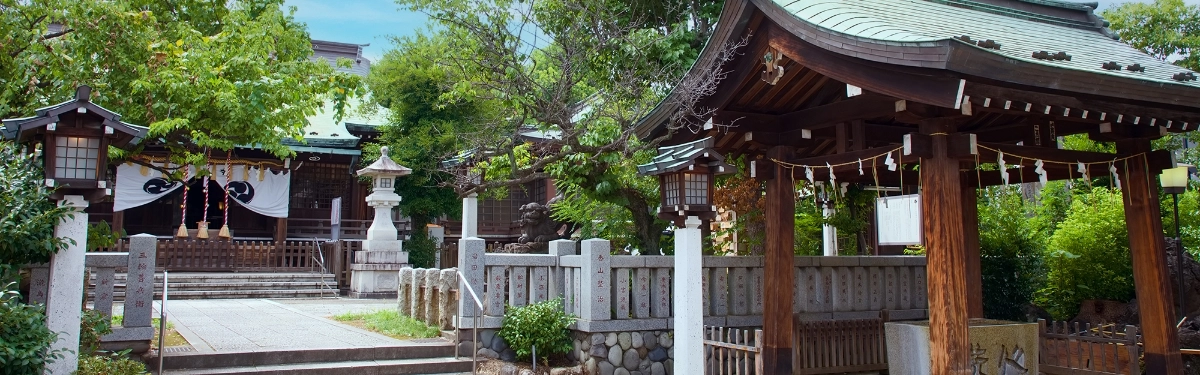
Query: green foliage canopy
(1088, 255)
(1165, 29)
(27, 214)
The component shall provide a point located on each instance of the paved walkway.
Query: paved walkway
(239, 325)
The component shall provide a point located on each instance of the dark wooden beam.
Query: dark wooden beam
(1102, 110)
(856, 108)
(1032, 153)
(780, 249)
(858, 131)
(941, 217)
(850, 157)
(1143, 220)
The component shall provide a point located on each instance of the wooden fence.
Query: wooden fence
(1074, 348)
(732, 351)
(351, 229)
(839, 346)
(189, 255)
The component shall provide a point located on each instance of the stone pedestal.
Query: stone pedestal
(997, 347)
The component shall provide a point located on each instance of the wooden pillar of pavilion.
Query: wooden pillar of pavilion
(778, 263)
(941, 217)
(970, 224)
(1149, 261)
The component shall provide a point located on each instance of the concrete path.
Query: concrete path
(240, 325)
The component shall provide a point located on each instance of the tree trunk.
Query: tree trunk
(644, 224)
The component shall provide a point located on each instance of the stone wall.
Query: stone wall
(612, 353)
(429, 295)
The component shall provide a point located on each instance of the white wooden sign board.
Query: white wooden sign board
(899, 220)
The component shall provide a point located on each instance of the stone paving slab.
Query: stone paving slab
(239, 325)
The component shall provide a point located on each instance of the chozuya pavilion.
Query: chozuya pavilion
(824, 89)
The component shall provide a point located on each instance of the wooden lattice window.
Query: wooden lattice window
(314, 186)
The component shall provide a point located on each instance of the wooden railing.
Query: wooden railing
(234, 255)
(732, 351)
(839, 346)
(351, 229)
(1074, 348)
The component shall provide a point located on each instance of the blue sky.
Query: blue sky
(358, 21)
(373, 21)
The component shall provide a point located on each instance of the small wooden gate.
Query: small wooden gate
(732, 351)
(839, 346)
(1074, 348)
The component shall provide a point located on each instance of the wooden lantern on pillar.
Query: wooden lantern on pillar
(686, 174)
(74, 138)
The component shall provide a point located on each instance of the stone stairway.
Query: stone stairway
(429, 356)
(228, 285)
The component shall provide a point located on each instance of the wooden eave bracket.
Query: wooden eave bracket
(962, 145)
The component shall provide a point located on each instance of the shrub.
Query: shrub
(422, 250)
(115, 364)
(91, 328)
(1011, 255)
(24, 338)
(1088, 255)
(543, 324)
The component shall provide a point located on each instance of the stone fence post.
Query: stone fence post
(470, 264)
(596, 288)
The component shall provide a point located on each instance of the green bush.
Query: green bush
(543, 324)
(24, 338)
(116, 364)
(91, 328)
(422, 250)
(1088, 255)
(1011, 254)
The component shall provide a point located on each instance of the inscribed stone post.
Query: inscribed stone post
(539, 281)
(641, 293)
(64, 305)
(660, 293)
(404, 291)
(920, 294)
(737, 293)
(620, 292)
(39, 283)
(756, 292)
(876, 292)
(861, 302)
(827, 285)
(518, 292)
(800, 291)
(576, 275)
(104, 290)
(720, 291)
(812, 289)
(433, 279)
(139, 283)
(890, 300)
(495, 291)
(558, 276)
(845, 300)
(904, 277)
(569, 295)
(596, 285)
(470, 263)
(705, 292)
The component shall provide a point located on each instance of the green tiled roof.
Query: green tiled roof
(922, 23)
(677, 157)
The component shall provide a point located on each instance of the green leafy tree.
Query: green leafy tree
(1088, 257)
(582, 73)
(24, 338)
(1169, 30)
(202, 75)
(27, 214)
(1010, 254)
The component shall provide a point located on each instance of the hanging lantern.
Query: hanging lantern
(686, 174)
(75, 136)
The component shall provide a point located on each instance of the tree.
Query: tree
(584, 72)
(1169, 30)
(27, 214)
(203, 75)
(1088, 255)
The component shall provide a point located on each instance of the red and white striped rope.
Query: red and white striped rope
(183, 207)
(228, 176)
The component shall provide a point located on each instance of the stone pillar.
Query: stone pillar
(65, 303)
(404, 291)
(139, 283)
(470, 263)
(558, 285)
(438, 234)
(39, 283)
(470, 216)
(595, 281)
(446, 285)
(418, 294)
(828, 232)
(433, 279)
(689, 312)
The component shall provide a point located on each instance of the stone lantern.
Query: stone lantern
(686, 175)
(375, 271)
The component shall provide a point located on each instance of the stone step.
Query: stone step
(437, 349)
(430, 366)
(237, 294)
(227, 277)
(263, 285)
